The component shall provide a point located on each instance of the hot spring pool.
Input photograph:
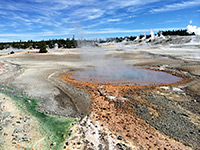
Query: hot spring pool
(131, 77)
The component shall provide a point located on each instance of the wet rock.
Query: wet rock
(53, 144)
(5, 134)
(120, 137)
(70, 133)
(100, 146)
(184, 114)
(18, 122)
(195, 100)
(191, 132)
(78, 143)
(119, 144)
(24, 139)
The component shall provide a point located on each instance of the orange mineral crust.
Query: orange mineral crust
(114, 110)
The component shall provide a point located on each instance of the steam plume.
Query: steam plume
(193, 29)
(56, 46)
(109, 68)
(152, 34)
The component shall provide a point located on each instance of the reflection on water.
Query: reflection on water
(133, 77)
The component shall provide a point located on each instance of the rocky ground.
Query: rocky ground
(121, 117)
(141, 117)
(18, 130)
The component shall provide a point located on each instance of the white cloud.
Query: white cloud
(193, 29)
(21, 18)
(1, 25)
(94, 16)
(70, 31)
(112, 30)
(170, 21)
(84, 14)
(177, 6)
(60, 16)
(113, 20)
(128, 3)
(75, 10)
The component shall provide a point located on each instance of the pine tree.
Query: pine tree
(43, 47)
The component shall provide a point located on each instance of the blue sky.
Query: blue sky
(48, 19)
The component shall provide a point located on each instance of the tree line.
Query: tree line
(176, 32)
(30, 44)
(132, 38)
(72, 43)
